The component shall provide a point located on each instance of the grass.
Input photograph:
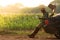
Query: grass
(19, 22)
(21, 32)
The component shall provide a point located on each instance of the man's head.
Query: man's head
(43, 10)
(52, 6)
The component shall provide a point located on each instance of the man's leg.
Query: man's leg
(35, 31)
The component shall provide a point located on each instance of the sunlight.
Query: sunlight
(34, 3)
(26, 3)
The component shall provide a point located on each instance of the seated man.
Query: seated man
(45, 14)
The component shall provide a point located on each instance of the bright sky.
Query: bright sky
(27, 3)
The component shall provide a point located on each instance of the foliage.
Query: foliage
(19, 22)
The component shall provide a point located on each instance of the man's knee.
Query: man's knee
(39, 26)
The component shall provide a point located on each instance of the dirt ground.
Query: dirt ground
(25, 37)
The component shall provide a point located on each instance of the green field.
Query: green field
(19, 22)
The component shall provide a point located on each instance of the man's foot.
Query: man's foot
(30, 36)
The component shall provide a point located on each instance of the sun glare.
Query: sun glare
(27, 3)
(34, 3)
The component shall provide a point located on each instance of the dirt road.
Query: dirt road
(25, 37)
(22, 35)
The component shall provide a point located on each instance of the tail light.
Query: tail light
(46, 22)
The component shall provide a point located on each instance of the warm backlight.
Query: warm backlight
(27, 3)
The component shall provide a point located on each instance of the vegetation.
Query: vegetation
(19, 22)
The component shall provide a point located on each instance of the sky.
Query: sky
(27, 3)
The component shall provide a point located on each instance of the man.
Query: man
(45, 15)
(53, 8)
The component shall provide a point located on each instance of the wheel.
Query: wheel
(57, 35)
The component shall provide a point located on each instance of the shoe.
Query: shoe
(30, 36)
